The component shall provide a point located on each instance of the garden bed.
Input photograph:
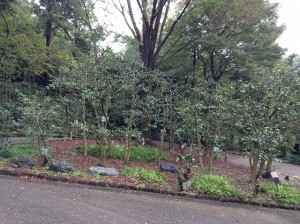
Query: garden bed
(239, 176)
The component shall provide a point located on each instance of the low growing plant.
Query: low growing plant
(142, 174)
(138, 153)
(294, 159)
(215, 185)
(285, 193)
(20, 150)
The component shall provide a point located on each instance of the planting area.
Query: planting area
(227, 179)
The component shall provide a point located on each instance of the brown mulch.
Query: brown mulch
(64, 150)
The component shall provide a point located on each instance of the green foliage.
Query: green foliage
(294, 159)
(215, 185)
(83, 174)
(138, 153)
(5, 153)
(142, 174)
(22, 150)
(285, 194)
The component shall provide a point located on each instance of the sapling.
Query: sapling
(186, 163)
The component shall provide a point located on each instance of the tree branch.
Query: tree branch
(121, 10)
(172, 29)
(137, 32)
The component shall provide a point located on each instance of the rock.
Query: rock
(61, 165)
(187, 185)
(168, 167)
(266, 174)
(282, 180)
(104, 171)
(23, 162)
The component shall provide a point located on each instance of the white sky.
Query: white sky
(288, 14)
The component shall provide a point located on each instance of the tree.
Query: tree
(21, 57)
(222, 37)
(152, 36)
(267, 106)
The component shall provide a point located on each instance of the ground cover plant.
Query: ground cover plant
(284, 193)
(12, 151)
(144, 175)
(215, 185)
(291, 158)
(228, 180)
(138, 153)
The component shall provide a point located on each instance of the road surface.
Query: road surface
(38, 201)
(283, 168)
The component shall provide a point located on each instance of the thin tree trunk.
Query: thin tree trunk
(172, 137)
(199, 148)
(269, 164)
(128, 149)
(83, 115)
(162, 131)
(211, 157)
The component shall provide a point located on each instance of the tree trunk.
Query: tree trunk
(269, 164)
(172, 137)
(146, 131)
(199, 149)
(162, 131)
(128, 149)
(83, 115)
(211, 159)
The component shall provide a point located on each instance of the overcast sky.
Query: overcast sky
(290, 16)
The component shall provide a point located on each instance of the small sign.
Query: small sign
(274, 174)
(103, 119)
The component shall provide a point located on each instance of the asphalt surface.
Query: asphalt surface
(283, 168)
(38, 201)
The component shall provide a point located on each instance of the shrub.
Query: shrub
(142, 174)
(138, 153)
(5, 153)
(12, 151)
(294, 159)
(286, 194)
(214, 185)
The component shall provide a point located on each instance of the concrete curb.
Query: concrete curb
(74, 180)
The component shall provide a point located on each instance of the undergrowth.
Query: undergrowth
(285, 194)
(141, 174)
(138, 153)
(215, 185)
(13, 151)
(294, 159)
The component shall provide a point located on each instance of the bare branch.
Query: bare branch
(172, 29)
(121, 10)
(163, 22)
(6, 37)
(137, 32)
(144, 13)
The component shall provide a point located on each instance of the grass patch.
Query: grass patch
(13, 151)
(141, 174)
(286, 194)
(215, 185)
(138, 153)
(20, 150)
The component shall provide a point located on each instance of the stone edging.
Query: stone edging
(74, 180)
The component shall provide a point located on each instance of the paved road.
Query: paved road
(18, 140)
(283, 168)
(38, 201)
